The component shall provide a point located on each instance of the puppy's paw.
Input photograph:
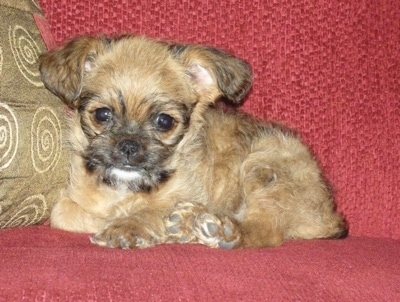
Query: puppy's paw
(123, 235)
(179, 224)
(216, 232)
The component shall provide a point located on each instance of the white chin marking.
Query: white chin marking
(125, 175)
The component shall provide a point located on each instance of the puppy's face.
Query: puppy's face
(136, 99)
(135, 105)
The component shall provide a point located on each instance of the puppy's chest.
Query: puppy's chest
(122, 202)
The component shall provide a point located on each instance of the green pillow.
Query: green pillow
(33, 164)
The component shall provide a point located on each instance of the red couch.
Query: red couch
(329, 69)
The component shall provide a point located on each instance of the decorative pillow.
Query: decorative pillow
(33, 165)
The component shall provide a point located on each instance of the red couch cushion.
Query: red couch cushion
(43, 264)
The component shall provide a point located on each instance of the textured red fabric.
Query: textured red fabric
(329, 69)
(43, 264)
(45, 31)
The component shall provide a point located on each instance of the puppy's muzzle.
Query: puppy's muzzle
(129, 148)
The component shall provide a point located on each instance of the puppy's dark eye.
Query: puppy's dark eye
(103, 115)
(164, 122)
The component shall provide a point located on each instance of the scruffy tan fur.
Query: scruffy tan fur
(185, 170)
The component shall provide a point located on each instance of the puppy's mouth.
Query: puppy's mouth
(134, 178)
(126, 173)
(126, 165)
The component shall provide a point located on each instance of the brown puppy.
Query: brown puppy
(154, 161)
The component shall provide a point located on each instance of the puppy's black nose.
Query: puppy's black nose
(129, 148)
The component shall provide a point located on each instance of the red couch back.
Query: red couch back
(329, 69)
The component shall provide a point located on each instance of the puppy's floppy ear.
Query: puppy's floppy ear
(62, 69)
(212, 70)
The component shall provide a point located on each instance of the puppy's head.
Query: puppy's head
(136, 99)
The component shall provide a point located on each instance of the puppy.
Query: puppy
(154, 160)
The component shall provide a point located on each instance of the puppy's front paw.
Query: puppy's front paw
(123, 234)
(216, 232)
(179, 224)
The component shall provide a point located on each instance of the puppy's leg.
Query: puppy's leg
(260, 229)
(68, 215)
(141, 230)
(260, 219)
(284, 197)
(193, 223)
